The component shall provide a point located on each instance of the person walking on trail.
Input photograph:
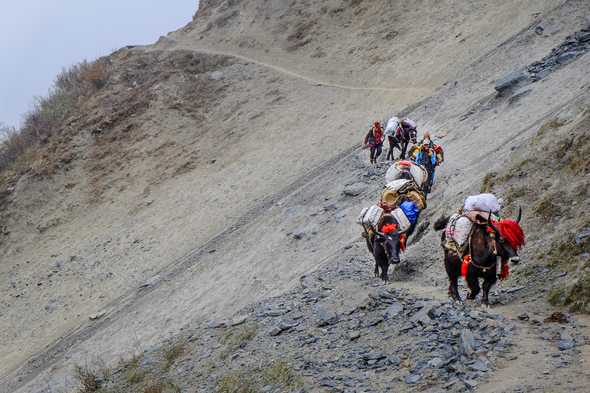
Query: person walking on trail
(391, 129)
(426, 157)
(405, 134)
(374, 141)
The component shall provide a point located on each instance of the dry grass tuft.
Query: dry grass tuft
(547, 208)
(134, 373)
(172, 353)
(50, 113)
(237, 338)
(488, 182)
(236, 382)
(575, 296)
(154, 387)
(89, 381)
(280, 374)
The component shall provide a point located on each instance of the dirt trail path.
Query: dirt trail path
(537, 363)
(419, 91)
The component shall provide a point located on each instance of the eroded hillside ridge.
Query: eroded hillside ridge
(377, 43)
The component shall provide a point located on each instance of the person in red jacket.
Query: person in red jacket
(374, 141)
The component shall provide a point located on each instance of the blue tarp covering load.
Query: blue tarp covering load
(410, 210)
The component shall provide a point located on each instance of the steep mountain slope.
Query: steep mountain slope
(177, 194)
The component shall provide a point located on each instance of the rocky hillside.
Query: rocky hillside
(170, 220)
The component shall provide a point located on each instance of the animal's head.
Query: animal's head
(413, 133)
(508, 237)
(405, 174)
(389, 238)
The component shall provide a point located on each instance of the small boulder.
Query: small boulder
(216, 75)
(326, 317)
(393, 311)
(355, 189)
(96, 316)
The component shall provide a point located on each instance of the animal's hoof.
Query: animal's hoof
(515, 260)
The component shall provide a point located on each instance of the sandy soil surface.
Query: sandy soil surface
(191, 214)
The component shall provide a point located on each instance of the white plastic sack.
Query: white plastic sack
(402, 220)
(392, 125)
(396, 184)
(370, 216)
(418, 173)
(458, 229)
(482, 202)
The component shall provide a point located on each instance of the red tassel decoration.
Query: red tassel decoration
(465, 265)
(505, 272)
(388, 228)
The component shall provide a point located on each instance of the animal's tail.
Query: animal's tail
(441, 223)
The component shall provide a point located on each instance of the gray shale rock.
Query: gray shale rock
(584, 235)
(283, 327)
(435, 363)
(412, 379)
(355, 189)
(467, 342)
(511, 80)
(326, 317)
(393, 311)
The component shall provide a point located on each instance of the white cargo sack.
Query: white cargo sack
(458, 229)
(418, 173)
(396, 184)
(482, 202)
(392, 126)
(370, 216)
(402, 220)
